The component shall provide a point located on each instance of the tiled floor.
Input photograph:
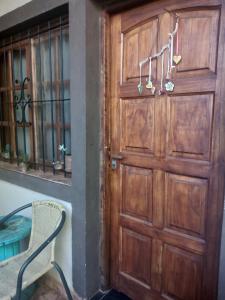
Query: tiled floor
(45, 293)
(112, 295)
(48, 289)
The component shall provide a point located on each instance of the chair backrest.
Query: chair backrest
(46, 217)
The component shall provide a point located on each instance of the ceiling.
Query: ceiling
(114, 5)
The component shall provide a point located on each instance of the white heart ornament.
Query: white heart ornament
(177, 59)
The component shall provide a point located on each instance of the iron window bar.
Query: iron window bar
(26, 106)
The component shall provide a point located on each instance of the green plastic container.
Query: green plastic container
(15, 230)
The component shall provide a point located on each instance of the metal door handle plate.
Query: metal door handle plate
(114, 158)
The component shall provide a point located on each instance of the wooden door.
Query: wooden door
(167, 184)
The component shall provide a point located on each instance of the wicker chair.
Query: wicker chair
(20, 271)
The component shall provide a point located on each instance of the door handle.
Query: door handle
(114, 159)
(117, 156)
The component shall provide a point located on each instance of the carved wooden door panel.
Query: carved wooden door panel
(167, 185)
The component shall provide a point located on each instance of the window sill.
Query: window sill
(59, 178)
(45, 183)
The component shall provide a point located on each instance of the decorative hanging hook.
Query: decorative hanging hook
(177, 57)
(140, 85)
(162, 76)
(149, 84)
(149, 81)
(169, 85)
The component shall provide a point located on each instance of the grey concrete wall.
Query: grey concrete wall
(84, 38)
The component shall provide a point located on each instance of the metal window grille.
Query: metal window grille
(35, 98)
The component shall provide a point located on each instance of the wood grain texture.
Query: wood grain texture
(190, 126)
(167, 190)
(175, 261)
(202, 53)
(138, 125)
(186, 202)
(135, 263)
(137, 192)
(139, 43)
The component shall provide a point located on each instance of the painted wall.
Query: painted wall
(13, 196)
(9, 5)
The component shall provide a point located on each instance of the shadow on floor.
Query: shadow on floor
(112, 295)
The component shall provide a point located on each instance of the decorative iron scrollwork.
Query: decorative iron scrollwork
(22, 102)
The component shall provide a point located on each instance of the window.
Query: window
(35, 98)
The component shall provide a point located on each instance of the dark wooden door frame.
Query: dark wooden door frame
(105, 153)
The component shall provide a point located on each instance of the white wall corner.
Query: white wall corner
(9, 5)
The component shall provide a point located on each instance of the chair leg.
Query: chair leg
(57, 267)
(18, 288)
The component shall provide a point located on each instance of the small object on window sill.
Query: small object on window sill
(35, 173)
(62, 148)
(23, 166)
(58, 165)
(68, 163)
(6, 155)
(23, 162)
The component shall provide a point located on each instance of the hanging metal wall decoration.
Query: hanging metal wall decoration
(169, 85)
(166, 84)
(161, 91)
(140, 85)
(177, 57)
(149, 84)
